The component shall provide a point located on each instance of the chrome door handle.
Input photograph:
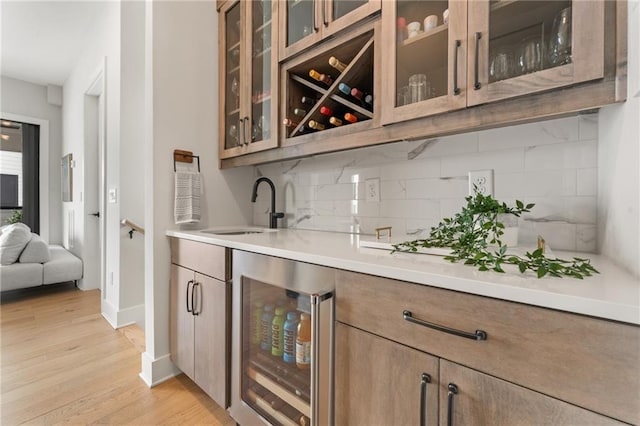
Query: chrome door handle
(478, 335)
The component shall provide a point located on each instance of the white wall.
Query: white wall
(30, 100)
(619, 160)
(131, 297)
(182, 113)
(103, 48)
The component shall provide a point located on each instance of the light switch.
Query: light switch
(113, 195)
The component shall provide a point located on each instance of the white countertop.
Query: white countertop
(612, 294)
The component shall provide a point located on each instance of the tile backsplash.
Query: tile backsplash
(552, 164)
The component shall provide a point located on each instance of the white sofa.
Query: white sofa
(27, 261)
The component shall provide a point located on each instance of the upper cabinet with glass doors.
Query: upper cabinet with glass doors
(306, 22)
(454, 54)
(427, 41)
(248, 77)
(519, 47)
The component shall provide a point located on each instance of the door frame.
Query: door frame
(97, 89)
(43, 166)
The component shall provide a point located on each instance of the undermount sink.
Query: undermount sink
(237, 231)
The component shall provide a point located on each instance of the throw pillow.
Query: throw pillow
(36, 251)
(13, 240)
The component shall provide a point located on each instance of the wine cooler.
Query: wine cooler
(282, 341)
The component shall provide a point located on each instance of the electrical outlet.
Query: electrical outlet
(372, 190)
(481, 181)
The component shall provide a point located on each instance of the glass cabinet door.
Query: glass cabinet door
(428, 73)
(525, 46)
(260, 122)
(231, 78)
(248, 78)
(276, 374)
(306, 22)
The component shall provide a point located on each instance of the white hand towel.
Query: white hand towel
(187, 197)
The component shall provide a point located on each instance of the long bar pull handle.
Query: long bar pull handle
(423, 398)
(478, 335)
(476, 65)
(456, 89)
(187, 298)
(315, 21)
(325, 14)
(193, 297)
(244, 131)
(453, 390)
(241, 130)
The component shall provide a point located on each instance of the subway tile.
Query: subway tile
(427, 209)
(587, 182)
(532, 134)
(573, 155)
(511, 160)
(393, 190)
(588, 126)
(415, 169)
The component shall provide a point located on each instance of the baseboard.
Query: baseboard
(123, 317)
(156, 371)
(83, 286)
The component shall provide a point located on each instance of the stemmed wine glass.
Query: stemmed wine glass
(235, 89)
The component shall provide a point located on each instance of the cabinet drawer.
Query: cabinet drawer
(589, 362)
(211, 260)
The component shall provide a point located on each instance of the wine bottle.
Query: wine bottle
(344, 88)
(326, 111)
(306, 100)
(334, 62)
(350, 117)
(299, 112)
(326, 79)
(356, 93)
(368, 100)
(335, 121)
(315, 125)
(289, 122)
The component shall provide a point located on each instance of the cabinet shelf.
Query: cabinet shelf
(262, 27)
(233, 46)
(262, 54)
(233, 70)
(264, 405)
(357, 73)
(280, 391)
(234, 111)
(437, 31)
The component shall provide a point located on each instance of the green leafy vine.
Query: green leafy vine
(473, 235)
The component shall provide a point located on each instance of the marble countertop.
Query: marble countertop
(613, 294)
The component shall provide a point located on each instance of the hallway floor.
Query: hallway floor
(62, 363)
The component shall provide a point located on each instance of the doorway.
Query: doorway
(94, 193)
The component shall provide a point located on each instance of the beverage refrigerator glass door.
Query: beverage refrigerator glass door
(274, 379)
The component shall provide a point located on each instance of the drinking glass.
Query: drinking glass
(530, 55)
(235, 89)
(560, 42)
(500, 67)
(418, 87)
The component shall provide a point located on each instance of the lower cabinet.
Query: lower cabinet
(380, 382)
(199, 312)
(414, 354)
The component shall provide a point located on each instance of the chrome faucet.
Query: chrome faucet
(273, 216)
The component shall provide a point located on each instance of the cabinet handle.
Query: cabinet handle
(325, 14)
(476, 80)
(453, 390)
(478, 335)
(241, 130)
(456, 89)
(244, 130)
(314, 17)
(187, 298)
(193, 296)
(423, 398)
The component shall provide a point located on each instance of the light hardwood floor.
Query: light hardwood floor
(62, 363)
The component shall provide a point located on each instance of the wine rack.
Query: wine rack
(332, 97)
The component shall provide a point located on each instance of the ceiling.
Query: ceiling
(42, 40)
